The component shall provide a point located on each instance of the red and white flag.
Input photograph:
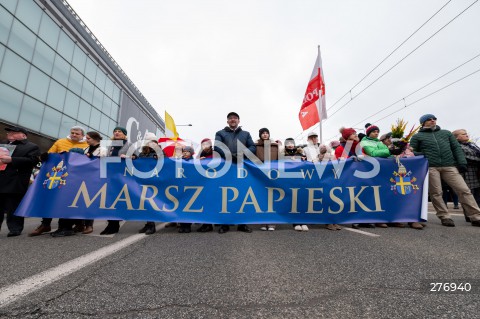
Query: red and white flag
(314, 108)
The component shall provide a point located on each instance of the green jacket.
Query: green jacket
(373, 147)
(439, 146)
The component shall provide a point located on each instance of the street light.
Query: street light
(184, 125)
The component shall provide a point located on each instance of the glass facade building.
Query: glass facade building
(54, 74)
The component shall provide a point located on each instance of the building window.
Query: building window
(75, 81)
(22, 40)
(114, 112)
(30, 14)
(37, 85)
(31, 112)
(87, 91)
(79, 59)
(95, 119)
(6, 20)
(104, 125)
(116, 94)
(14, 70)
(90, 70)
(10, 101)
(49, 31)
(65, 46)
(61, 70)
(98, 99)
(51, 122)
(2, 53)
(10, 5)
(71, 104)
(56, 95)
(84, 112)
(43, 57)
(100, 80)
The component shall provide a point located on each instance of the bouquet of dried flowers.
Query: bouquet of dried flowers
(400, 142)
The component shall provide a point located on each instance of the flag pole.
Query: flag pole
(318, 106)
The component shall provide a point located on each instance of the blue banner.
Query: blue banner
(71, 185)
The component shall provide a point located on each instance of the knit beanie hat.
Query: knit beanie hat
(426, 117)
(124, 130)
(346, 132)
(263, 130)
(149, 138)
(205, 140)
(289, 140)
(371, 128)
(189, 149)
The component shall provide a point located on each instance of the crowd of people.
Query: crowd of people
(453, 160)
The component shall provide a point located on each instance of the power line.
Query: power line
(390, 54)
(428, 95)
(421, 88)
(401, 60)
(422, 98)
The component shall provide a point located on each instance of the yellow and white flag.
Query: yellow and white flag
(170, 128)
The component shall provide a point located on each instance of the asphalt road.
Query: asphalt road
(280, 274)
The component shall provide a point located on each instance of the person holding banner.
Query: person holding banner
(82, 226)
(149, 150)
(372, 146)
(206, 153)
(76, 139)
(232, 136)
(349, 143)
(266, 150)
(313, 151)
(188, 153)
(15, 176)
(348, 146)
(314, 154)
(292, 152)
(446, 161)
(119, 148)
(93, 150)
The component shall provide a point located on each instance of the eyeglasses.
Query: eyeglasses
(432, 119)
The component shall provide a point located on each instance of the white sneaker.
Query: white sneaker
(263, 228)
(298, 227)
(304, 228)
(271, 228)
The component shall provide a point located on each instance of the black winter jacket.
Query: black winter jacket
(230, 137)
(16, 176)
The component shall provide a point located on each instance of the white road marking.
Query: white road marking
(361, 232)
(26, 286)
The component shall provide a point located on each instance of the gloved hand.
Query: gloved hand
(462, 168)
(44, 157)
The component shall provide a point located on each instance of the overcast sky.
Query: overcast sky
(200, 60)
